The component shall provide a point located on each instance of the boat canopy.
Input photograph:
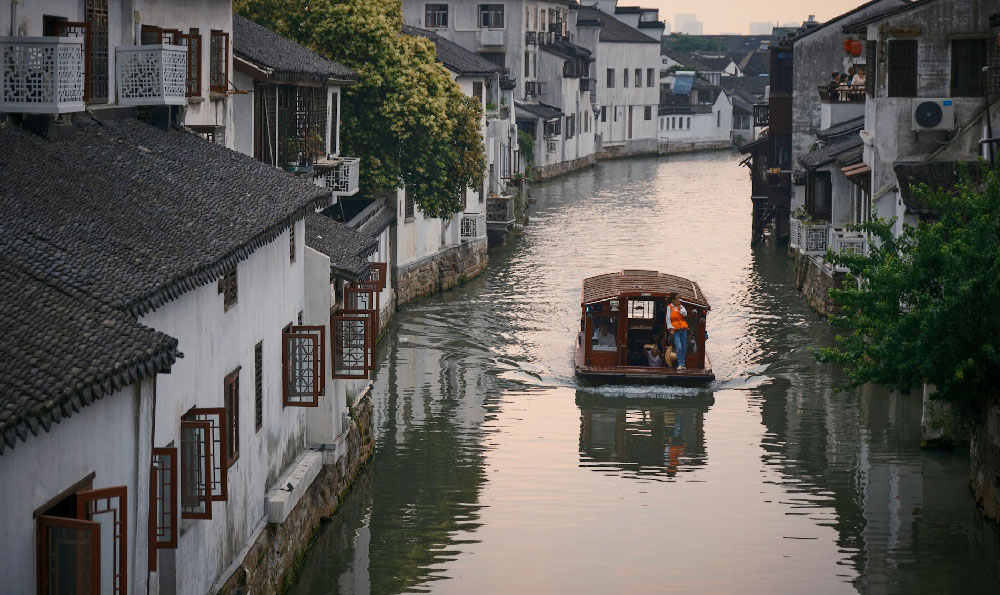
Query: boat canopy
(612, 285)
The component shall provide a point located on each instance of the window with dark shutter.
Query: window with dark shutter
(625, 77)
(218, 426)
(218, 70)
(291, 243)
(611, 78)
(193, 42)
(871, 51)
(228, 287)
(258, 386)
(196, 469)
(303, 366)
(231, 396)
(650, 77)
(968, 57)
(163, 521)
(638, 77)
(647, 113)
(410, 208)
(477, 91)
(902, 68)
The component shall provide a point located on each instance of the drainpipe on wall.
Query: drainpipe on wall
(13, 17)
(137, 30)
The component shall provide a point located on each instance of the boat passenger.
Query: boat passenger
(677, 323)
(604, 337)
(653, 357)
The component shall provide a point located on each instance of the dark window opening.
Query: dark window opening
(231, 396)
(435, 15)
(902, 68)
(491, 16)
(258, 386)
(968, 57)
(228, 287)
(218, 71)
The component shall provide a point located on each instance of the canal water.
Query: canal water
(495, 472)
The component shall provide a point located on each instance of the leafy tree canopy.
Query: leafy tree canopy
(405, 118)
(926, 309)
(681, 42)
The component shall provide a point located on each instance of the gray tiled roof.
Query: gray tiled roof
(137, 215)
(347, 248)
(62, 350)
(613, 30)
(289, 60)
(455, 57)
(830, 153)
(936, 175)
(842, 129)
(756, 63)
(754, 85)
(540, 110)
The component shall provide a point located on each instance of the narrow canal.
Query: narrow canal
(494, 472)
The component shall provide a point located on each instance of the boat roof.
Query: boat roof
(611, 285)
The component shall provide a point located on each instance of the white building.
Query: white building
(154, 482)
(627, 83)
(696, 127)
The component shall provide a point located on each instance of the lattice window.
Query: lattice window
(193, 41)
(291, 243)
(218, 420)
(231, 399)
(163, 521)
(641, 309)
(69, 559)
(351, 332)
(902, 68)
(364, 297)
(150, 74)
(303, 365)
(196, 469)
(410, 207)
(229, 288)
(871, 54)
(218, 71)
(96, 15)
(378, 274)
(114, 503)
(258, 386)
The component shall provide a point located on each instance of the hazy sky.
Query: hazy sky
(734, 16)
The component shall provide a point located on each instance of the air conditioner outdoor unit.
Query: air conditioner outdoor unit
(933, 114)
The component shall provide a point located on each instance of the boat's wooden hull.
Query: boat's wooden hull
(643, 374)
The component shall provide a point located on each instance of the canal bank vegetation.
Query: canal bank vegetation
(410, 124)
(926, 310)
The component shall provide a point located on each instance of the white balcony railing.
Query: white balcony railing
(500, 210)
(847, 242)
(491, 37)
(41, 75)
(473, 226)
(794, 233)
(151, 74)
(342, 180)
(815, 237)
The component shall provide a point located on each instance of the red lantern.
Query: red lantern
(847, 45)
(856, 48)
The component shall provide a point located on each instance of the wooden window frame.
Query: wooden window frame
(88, 504)
(42, 525)
(164, 461)
(205, 429)
(229, 287)
(871, 60)
(351, 372)
(316, 335)
(369, 288)
(490, 12)
(194, 42)
(258, 381)
(380, 270)
(219, 436)
(218, 65)
(434, 10)
(158, 32)
(231, 401)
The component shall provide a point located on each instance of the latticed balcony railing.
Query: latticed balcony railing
(848, 242)
(473, 226)
(42, 75)
(151, 74)
(794, 233)
(342, 179)
(761, 114)
(500, 210)
(815, 238)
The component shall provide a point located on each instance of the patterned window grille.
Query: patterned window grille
(231, 399)
(410, 207)
(68, 548)
(193, 41)
(163, 522)
(291, 123)
(258, 386)
(82, 30)
(218, 420)
(365, 297)
(291, 243)
(96, 15)
(229, 288)
(352, 343)
(473, 226)
(196, 469)
(871, 54)
(303, 365)
(112, 502)
(902, 68)
(378, 274)
(218, 71)
(342, 179)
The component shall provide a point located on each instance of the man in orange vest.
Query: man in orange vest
(677, 323)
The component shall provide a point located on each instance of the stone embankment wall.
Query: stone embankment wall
(984, 466)
(545, 172)
(692, 147)
(815, 283)
(632, 148)
(273, 559)
(441, 271)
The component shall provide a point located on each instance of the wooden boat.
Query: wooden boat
(623, 314)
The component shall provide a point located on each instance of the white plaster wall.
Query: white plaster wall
(270, 296)
(323, 424)
(620, 56)
(103, 438)
(417, 237)
(242, 132)
(716, 126)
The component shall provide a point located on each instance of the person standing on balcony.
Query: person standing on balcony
(677, 323)
(859, 77)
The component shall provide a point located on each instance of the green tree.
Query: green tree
(681, 42)
(405, 118)
(925, 309)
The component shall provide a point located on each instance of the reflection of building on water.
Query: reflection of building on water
(649, 439)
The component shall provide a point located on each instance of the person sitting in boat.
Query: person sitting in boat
(653, 358)
(604, 337)
(677, 323)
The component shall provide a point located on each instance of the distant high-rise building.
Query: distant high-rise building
(761, 28)
(792, 25)
(694, 28)
(681, 21)
(666, 28)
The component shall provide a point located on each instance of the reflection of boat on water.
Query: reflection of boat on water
(623, 320)
(650, 439)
